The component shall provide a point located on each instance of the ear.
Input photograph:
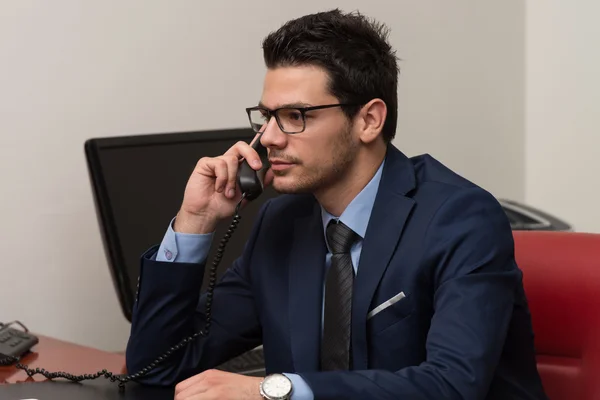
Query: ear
(372, 117)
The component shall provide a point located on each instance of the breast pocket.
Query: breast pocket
(388, 313)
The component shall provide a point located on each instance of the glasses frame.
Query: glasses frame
(302, 110)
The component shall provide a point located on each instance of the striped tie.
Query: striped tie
(335, 346)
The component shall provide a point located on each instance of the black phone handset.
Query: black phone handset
(251, 183)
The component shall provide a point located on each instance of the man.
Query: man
(412, 292)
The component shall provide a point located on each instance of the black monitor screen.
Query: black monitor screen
(138, 184)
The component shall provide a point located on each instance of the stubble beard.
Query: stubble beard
(320, 177)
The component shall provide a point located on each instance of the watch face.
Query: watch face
(277, 386)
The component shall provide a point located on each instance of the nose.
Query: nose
(273, 136)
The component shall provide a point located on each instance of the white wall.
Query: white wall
(73, 70)
(563, 110)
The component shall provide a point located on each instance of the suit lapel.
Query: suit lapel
(307, 267)
(388, 217)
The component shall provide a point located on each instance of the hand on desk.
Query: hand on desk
(215, 384)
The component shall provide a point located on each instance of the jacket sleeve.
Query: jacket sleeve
(469, 250)
(170, 308)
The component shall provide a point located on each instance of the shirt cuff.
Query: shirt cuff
(184, 247)
(300, 389)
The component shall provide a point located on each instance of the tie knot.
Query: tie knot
(339, 237)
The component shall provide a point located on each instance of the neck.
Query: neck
(336, 197)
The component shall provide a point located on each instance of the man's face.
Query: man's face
(318, 157)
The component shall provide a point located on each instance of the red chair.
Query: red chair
(561, 275)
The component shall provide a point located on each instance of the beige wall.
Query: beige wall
(563, 110)
(72, 70)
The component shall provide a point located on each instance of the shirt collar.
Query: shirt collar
(356, 215)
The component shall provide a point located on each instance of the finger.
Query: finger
(181, 386)
(232, 168)
(218, 167)
(190, 387)
(243, 150)
(199, 391)
(201, 386)
(258, 135)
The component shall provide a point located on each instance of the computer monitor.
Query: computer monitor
(138, 184)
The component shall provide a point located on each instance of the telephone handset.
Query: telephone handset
(251, 183)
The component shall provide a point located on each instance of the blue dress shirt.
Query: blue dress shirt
(194, 248)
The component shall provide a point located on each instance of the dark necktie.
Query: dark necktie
(335, 346)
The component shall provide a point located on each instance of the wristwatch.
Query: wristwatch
(276, 387)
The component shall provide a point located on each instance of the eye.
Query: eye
(295, 115)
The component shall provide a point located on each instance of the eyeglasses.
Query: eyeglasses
(289, 119)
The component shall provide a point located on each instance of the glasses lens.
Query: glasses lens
(258, 118)
(291, 119)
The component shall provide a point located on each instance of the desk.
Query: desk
(55, 355)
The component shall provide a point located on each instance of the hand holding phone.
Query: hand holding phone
(215, 187)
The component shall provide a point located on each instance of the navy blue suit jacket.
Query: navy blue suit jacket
(463, 331)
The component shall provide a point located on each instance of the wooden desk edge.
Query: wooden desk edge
(57, 355)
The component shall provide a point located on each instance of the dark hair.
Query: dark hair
(351, 48)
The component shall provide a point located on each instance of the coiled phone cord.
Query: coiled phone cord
(126, 378)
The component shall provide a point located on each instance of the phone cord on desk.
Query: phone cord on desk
(126, 378)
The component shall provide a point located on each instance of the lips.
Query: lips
(280, 165)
